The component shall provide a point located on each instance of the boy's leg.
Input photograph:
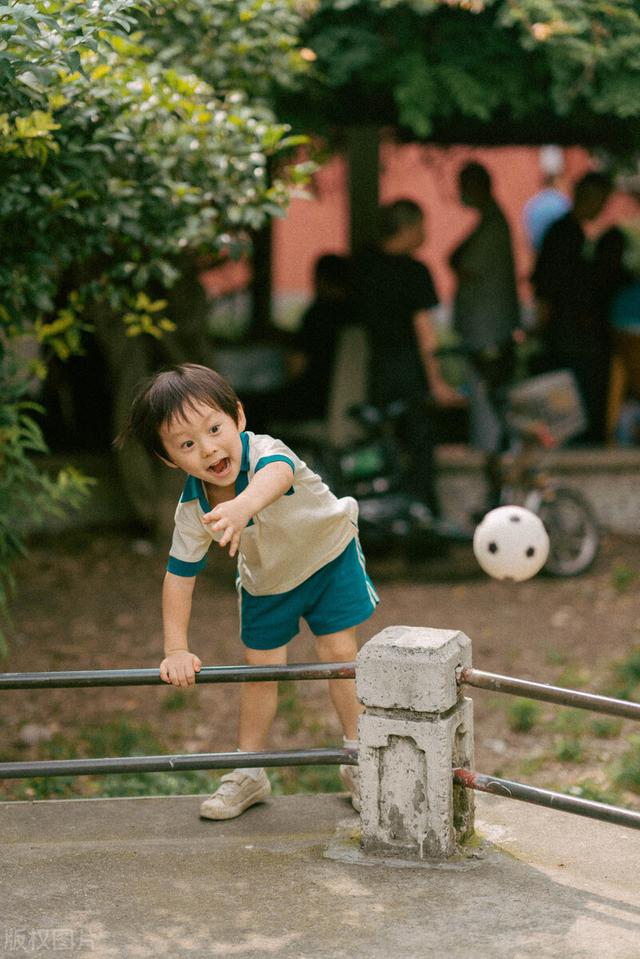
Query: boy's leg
(342, 647)
(258, 704)
(259, 701)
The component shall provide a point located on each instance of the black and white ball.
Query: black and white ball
(511, 543)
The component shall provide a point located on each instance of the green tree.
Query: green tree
(132, 138)
(484, 71)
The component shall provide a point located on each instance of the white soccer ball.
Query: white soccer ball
(511, 543)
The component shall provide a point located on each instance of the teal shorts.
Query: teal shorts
(338, 596)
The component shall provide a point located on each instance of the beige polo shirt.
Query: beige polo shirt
(285, 543)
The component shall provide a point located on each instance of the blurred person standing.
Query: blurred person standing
(314, 345)
(486, 312)
(551, 202)
(394, 296)
(567, 313)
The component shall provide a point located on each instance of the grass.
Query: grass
(569, 750)
(290, 708)
(605, 728)
(522, 715)
(627, 770)
(556, 657)
(589, 789)
(175, 700)
(532, 765)
(305, 779)
(570, 721)
(626, 677)
(116, 738)
(622, 577)
(123, 738)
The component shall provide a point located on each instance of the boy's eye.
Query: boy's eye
(214, 429)
(187, 444)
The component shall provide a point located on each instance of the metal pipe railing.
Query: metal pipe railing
(159, 764)
(545, 797)
(549, 694)
(70, 679)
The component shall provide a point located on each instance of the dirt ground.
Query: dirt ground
(90, 600)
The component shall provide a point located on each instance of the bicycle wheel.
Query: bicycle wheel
(573, 531)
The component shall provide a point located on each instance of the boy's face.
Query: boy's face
(205, 444)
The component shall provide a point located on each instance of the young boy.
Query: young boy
(297, 547)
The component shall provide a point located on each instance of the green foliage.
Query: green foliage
(121, 163)
(245, 45)
(24, 489)
(130, 135)
(520, 65)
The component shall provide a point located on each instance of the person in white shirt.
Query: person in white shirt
(297, 548)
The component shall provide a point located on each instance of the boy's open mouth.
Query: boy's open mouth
(220, 467)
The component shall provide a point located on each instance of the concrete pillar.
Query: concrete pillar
(416, 727)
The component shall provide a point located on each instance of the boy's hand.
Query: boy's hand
(230, 519)
(179, 668)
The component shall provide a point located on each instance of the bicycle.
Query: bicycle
(541, 414)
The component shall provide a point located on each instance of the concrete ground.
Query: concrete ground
(147, 878)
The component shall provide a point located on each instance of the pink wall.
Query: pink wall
(427, 175)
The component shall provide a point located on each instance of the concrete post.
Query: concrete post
(415, 729)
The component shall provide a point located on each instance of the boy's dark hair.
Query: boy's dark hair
(394, 216)
(167, 395)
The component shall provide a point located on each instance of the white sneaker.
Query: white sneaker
(236, 792)
(350, 776)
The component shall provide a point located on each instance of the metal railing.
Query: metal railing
(466, 778)
(549, 694)
(162, 764)
(532, 794)
(546, 797)
(75, 679)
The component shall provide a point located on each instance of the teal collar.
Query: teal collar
(193, 489)
(242, 480)
(244, 464)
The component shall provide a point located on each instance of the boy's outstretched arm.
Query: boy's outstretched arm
(179, 665)
(230, 518)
